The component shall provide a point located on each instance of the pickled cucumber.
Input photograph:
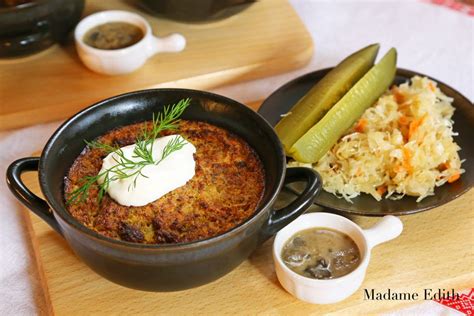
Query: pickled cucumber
(322, 136)
(312, 107)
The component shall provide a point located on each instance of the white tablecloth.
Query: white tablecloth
(431, 39)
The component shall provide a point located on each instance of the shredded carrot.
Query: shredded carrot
(444, 166)
(399, 97)
(381, 189)
(404, 107)
(398, 168)
(431, 86)
(403, 120)
(407, 160)
(454, 177)
(404, 130)
(361, 124)
(414, 126)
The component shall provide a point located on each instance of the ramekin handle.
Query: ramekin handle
(388, 228)
(170, 44)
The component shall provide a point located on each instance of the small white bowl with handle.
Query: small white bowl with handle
(331, 290)
(127, 59)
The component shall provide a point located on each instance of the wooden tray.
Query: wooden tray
(266, 38)
(435, 250)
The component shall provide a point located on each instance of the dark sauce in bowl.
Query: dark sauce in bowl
(321, 253)
(113, 35)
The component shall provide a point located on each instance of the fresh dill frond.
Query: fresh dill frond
(82, 192)
(167, 119)
(176, 143)
(98, 145)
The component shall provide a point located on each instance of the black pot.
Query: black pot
(196, 10)
(36, 25)
(165, 267)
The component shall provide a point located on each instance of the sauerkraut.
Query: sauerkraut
(402, 145)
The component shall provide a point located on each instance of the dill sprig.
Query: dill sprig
(125, 168)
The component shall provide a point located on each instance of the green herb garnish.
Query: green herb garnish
(168, 119)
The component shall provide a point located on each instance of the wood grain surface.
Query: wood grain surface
(266, 38)
(435, 251)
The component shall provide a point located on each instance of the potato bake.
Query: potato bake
(226, 189)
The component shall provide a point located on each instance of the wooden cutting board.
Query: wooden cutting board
(266, 38)
(435, 251)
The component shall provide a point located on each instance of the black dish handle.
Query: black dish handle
(279, 218)
(39, 38)
(36, 204)
(282, 217)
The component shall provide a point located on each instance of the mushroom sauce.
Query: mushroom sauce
(321, 253)
(113, 35)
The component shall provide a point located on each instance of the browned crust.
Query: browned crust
(226, 190)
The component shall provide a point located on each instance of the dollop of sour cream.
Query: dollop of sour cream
(156, 180)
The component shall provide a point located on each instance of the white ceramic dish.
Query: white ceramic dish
(128, 59)
(332, 290)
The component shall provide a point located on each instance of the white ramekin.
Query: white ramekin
(123, 60)
(331, 290)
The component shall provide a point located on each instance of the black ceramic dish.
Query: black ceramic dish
(170, 266)
(196, 10)
(36, 25)
(284, 98)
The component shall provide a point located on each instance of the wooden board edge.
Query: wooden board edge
(26, 214)
(202, 82)
(459, 283)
